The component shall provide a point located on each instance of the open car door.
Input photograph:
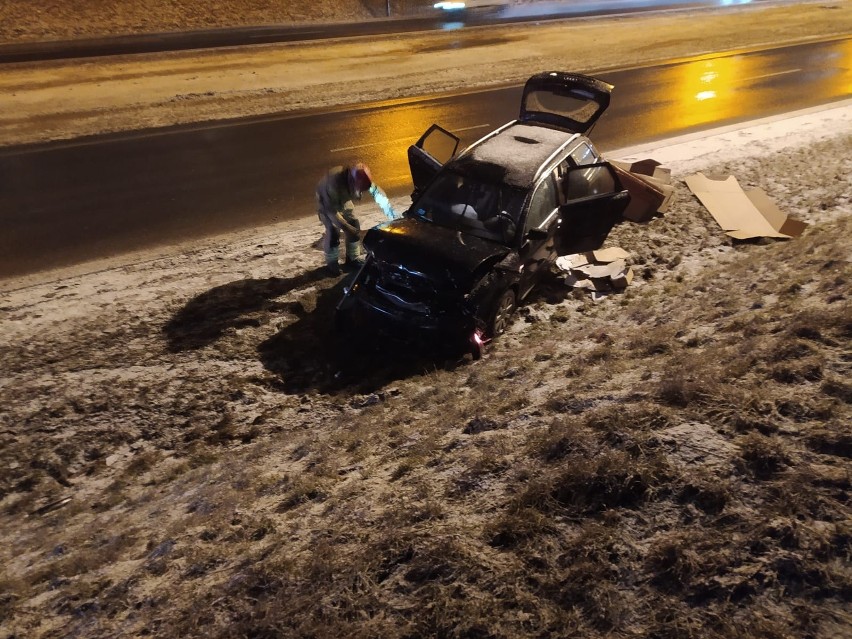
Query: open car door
(426, 156)
(570, 101)
(594, 201)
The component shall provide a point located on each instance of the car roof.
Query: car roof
(521, 149)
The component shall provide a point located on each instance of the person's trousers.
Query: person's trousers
(331, 239)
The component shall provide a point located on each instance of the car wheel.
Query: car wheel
(503, 310)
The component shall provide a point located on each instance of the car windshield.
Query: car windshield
(472, 199)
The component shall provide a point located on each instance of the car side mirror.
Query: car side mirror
(537, 234)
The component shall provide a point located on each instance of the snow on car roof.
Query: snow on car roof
(521, 149)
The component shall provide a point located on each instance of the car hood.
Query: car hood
(443, 254)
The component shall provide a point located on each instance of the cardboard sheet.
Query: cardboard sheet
(568, 262)
(649, 186)
(601, 256)
(742, 214)
(599, 271)
(623, 278)
(575, 282)
(595, 271)
(607, 255)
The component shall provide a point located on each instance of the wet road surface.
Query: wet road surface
(64, 203)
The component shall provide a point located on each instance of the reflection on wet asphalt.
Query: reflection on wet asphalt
(64, 203)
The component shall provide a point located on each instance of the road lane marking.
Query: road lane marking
(769, 75)
(364, 146)
(477, 126)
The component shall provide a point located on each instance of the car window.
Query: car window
(583, 183)
(439, 144)
(542, 203)
(583, 154)
(462, 201)
(581, 108)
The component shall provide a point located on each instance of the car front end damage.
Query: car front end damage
(485, 224)
(420, 301)
(397, 302)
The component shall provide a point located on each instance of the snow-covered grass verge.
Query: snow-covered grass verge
(672, 460)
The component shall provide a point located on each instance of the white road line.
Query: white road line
(364, 146)
(470, 128)
(769, 75)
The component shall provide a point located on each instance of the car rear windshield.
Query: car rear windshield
(580, 107)
(465, 199)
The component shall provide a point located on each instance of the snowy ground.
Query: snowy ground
(39, 20)
(178, 400)
(185, 450)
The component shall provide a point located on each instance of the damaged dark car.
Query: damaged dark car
(487, 223)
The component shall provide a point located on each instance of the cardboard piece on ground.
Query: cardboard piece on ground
(779, 220)
(601, 256)
(742, 214)
(650, 193)
(642, 167)
(574, 282)
(567, 262)
(602, 270)
(622, 279)
(647, 167)
(584, 272)
(607, 255)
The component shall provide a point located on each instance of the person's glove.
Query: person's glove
(349, 223)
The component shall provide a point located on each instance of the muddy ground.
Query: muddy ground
(188, 449)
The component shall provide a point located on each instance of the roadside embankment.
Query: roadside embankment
(180, 456)
(39, 20)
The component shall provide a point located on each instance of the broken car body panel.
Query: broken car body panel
(421, 246)
(486, 223)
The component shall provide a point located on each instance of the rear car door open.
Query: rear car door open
(594, 201)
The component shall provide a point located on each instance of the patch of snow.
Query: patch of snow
(527, 146)
(690, 153)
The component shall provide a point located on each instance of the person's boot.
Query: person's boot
(332, 267)
(352, 264)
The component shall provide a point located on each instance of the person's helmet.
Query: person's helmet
(360, 179)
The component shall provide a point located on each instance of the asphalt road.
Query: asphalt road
(64, 203)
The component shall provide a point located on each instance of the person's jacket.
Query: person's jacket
(334, 196)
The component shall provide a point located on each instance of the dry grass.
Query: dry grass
(670, 462)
